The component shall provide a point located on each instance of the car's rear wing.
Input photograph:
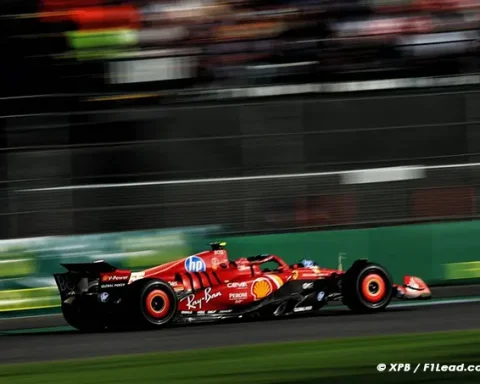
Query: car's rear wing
(81, 277)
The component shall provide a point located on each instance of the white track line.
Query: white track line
(243, 178)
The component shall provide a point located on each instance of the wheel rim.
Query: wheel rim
(373, 288)
(157, 303)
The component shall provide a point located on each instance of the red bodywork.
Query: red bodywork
(219, 282)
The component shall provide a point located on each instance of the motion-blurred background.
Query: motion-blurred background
(72, 46)
(137, 131)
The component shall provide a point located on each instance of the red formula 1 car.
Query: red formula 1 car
(208, 286)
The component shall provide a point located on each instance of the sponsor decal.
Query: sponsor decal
(302, 309)
(320, 296)
(238, 296)
(118, 285)
(173, 283)
(218, 252)
(241, 285)
(119, 278)
(64, 283)
(114, 278)
(104, 297)
(225, 311)
(211, 312)
(195, 264)
(186, 312)
(311, 275)
(307, 285)
(295, 275)
(193, 303)
(136, 276)
(261, 288)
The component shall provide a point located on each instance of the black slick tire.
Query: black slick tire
(157, 303)
(367, 287)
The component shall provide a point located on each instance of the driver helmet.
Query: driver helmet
(308, 263)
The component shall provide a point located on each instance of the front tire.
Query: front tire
(367, 287)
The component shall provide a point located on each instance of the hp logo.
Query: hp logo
(195, 264)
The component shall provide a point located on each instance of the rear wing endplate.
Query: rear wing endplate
(78, 276)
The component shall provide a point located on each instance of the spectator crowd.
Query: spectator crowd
(96, 45)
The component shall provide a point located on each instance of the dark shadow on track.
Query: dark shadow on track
(50, 345)
(323, 313)
(43, 333)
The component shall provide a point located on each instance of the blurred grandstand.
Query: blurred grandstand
(96, 46)
(56, 167)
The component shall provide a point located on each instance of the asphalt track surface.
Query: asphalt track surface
(329, 323)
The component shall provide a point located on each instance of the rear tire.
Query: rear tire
(79, 318)
(367, 287)
(158, 303)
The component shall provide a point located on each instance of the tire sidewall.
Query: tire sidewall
(149, 286)
(377, 270)
(80, 318)
(352, 291)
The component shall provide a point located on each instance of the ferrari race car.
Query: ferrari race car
(208, 286)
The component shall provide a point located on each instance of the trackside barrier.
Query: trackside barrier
(29, 299)
(442, 253)
(27, 265)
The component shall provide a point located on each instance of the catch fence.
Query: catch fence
(250, 204)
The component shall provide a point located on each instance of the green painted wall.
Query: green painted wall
(439, 253)
(27, 265)
(435, 252)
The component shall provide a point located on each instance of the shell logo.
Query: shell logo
(261, 288)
